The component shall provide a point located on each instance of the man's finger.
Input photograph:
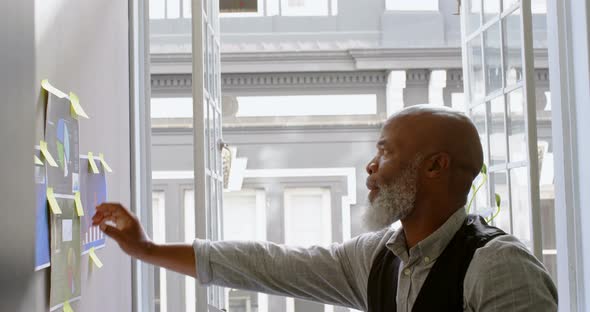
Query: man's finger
(112, 232)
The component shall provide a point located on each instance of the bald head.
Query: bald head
(429, 130)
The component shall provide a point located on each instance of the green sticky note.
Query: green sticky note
(78, 201)
(38, 161)
(68, 307)
(53, 90)
(93, 166)
(46, 154)
(76, 107)
(106, 166)
(52, 201)
(95, 258)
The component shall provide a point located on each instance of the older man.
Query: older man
(439, 260)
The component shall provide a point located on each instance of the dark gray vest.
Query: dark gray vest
(443, 288)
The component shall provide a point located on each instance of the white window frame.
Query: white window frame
(527, 87)
(567, 33)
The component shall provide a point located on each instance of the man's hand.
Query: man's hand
(131, 237)
(127, 232)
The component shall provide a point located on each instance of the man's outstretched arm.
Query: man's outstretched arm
(131, 237)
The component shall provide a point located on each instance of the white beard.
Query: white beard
(393, 202)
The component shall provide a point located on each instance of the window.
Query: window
(308, 217)
(159, 236)
(413, 5)
(170, 9)
(307, 105)
(189, 235)
(244, 218)
(291, 8)
(181, 107)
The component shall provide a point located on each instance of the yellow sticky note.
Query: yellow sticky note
(106, 166)
(92, 163)
(76, 105)
(68, 307)
(94, 258)
(51, 89)
(38, 161)
(46, 154)
(52, 201)
(78, 201)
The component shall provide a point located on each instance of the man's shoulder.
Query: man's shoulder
(503, 248)
(366, 245)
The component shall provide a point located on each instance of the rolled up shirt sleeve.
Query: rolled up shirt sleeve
(332, 275)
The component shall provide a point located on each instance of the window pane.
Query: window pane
(171, 107)
(499, 185)
(157, 9)
(478, 115)
(507, 4)
(307, 217)
(476, 85)
(491, 9)
(512, 48)
(159, 236)
(307, 105)
(173, 8)
(517, 139)
(493, 59)
(186, 8)
(189, 236)
(414, 5)
(521, 210)
(497, 131)
(474, 19)
(304, 7)
(480, 204)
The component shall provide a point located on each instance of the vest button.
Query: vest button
(426, 259)
(407, 272)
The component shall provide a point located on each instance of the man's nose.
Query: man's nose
(372, 166)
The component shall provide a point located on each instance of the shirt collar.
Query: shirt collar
(433, 245)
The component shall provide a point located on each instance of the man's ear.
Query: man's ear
(437, 164)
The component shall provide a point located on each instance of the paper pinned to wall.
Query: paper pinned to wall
(92, 163)
(95, 258)
(38, 161)
(104, 163)
(79, 206)
(68, 307)
(53, 202)
(46, 154)
(53, 90)
(76, 107)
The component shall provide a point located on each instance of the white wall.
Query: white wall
(17, 76)
(81, 46)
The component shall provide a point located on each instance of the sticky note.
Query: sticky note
(38, 161)
(104, 163)
(68, 307)
(76, 105)
(52, 201)
(53, 90)
(78, 201)
(46, 154)
(92, 163)
(94, 258)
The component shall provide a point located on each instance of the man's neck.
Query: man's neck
(423, 222)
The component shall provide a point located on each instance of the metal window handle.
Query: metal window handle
(223, 145)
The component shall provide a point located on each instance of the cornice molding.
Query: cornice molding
(229, 82)
(326, 60)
